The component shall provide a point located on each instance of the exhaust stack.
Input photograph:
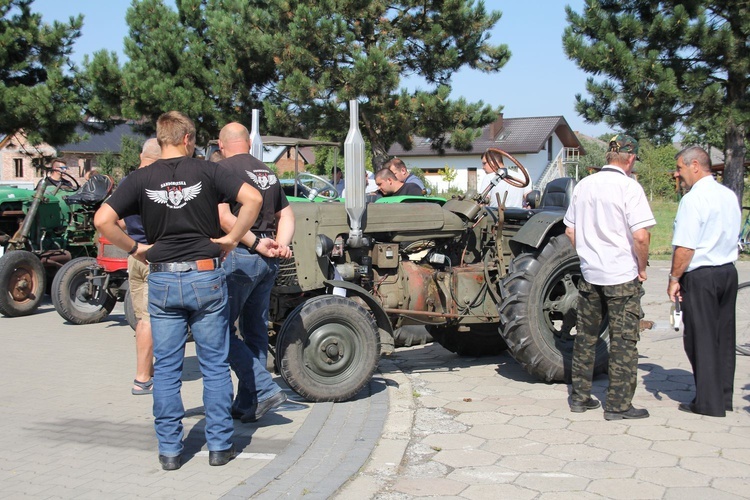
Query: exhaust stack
(354, 177)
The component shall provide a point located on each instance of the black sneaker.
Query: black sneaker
(629, 413)
(219, 458)
(582, 406)
(263, 407)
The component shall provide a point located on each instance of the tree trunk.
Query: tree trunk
(734, 158)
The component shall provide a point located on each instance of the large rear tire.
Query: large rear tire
(538, 312)
(22, 283)
(328, 348)
(76, 297)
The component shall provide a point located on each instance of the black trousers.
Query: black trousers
(708, 301)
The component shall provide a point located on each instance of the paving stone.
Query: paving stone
(499, 390)
(672, 477)
(739, 486)
(714, 466)
(552, 481)
(556, 436)
(737, 455)
(428, 487)
(464, 458)
(619, 442)
(686, 448)
(524, 410)
(626, 489)
(448, 387)
(576, 452)
(566, 495)
(722, 440)
(695, 423)
(495, 431)
(514, 446)
(453, 441)
(491, 474)
(430, 401)
(597, 427)
(532, 463)
(659, 433)
(599, 469)
(495, 491)
(699, 494)
(643, 458)
(483, 418)
(471, 406)
(545, 422)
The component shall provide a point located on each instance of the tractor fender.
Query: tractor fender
(385, 328)
(537, 230)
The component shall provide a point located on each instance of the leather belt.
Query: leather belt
(179, 267)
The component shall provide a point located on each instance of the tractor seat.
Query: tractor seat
(558, 193)
(94, 191)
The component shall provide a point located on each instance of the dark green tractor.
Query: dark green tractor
(40, 231)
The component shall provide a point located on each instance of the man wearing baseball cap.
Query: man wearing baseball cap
(608, 223)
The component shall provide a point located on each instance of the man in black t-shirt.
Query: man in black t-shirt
(251, 272)
(177, 198)
(389, 185)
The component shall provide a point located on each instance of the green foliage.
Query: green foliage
(39, 92)
(109, 164)
(448, 174)
(655, 170)
(119, 165)
(596, 151)
(664, 64)
(303, 60)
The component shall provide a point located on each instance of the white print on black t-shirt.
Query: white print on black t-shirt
(264, 180)
(174, 196)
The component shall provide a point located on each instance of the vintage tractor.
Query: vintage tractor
(40, 231)
(479, 278)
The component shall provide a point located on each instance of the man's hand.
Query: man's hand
(140, 254)
(642, 276)
(284, 252)
(267, 247)
(226, 243)
(673, 290)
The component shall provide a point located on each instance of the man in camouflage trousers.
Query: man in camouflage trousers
(607, 223)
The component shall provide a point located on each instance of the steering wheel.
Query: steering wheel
(71, 189)
(494, 157)
(326, 187)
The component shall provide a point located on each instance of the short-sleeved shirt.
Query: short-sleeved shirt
(177, 200)
(606, 209)
(257, 174)
(408, 189)
(708, 221)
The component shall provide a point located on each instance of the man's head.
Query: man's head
(387, 181)
(150, 152)
(177, 130)
(623, 152)
(234, 139)
(693, 164)
(58, 166)
(397, 166)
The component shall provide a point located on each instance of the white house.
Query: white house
(544, 145)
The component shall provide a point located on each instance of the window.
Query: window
(549, 149)
(18, 166)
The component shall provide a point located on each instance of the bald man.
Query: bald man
(251, 272)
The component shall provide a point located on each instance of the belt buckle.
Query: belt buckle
(205, 265)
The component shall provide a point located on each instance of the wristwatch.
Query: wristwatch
(255, 244)
(674, 278)
(134, 249)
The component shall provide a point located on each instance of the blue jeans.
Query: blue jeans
(250, 277)
(176, 301)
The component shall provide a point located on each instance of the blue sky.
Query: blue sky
(537, 81)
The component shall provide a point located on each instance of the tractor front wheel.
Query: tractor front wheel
(22, 283)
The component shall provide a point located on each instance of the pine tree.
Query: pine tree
(666, 64)
(39, 92)
(302, 60)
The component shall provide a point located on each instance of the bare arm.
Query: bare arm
(641, 241)
(570, 232)
(266, 246)
(680, 260)
(251, 201)
(285, 231)
(106, 222)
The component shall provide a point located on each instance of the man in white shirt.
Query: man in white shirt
(608, 223)
(704, 278)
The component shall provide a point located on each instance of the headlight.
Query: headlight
(323, 245)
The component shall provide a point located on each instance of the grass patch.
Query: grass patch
(661, 234)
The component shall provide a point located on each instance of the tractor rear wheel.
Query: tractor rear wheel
(77, 297)
(22, 283)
